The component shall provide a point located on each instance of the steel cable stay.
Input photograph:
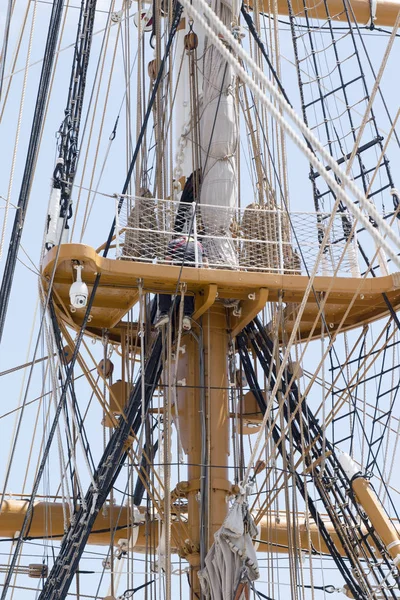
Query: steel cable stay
(387, 301)
(111, 463)
(33, 148)
(332, 484)
(252, 379)
(175, 21)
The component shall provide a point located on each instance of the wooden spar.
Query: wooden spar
(372, 506)
(386, 10)
(217, 411)
(379, 519)
(48, 522)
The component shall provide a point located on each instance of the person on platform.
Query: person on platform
(181, 251)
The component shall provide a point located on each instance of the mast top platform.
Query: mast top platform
(356, 301)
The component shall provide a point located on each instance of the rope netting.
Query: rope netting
(248, 239)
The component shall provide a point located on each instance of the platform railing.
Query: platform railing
(249, 238)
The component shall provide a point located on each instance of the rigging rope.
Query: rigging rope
(3, 54)
(93, 494)
(74, 542)
(60, 208)
(255, 87)
(32, 153)
(17, 134)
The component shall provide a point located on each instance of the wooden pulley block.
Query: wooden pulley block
(67, 354)
(259, 466)
(241, 380)
(191, 41)
(37, 571)
(105, 368)
(295, 369)
(152, 69)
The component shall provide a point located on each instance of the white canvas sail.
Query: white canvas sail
(219, 141)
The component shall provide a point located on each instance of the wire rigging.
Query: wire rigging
(108, 468)
(32, 153)
(3, 54)
(60, 208)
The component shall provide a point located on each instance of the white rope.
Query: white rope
(54, 365)
(175, 376)
(19, 416)
(315, 143)
(17, 133)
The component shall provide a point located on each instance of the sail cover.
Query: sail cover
(231, 562)
(219, 141)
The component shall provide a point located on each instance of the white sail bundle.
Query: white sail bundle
(231, 562)
(219, 140)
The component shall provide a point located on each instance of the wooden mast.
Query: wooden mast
(215, 384)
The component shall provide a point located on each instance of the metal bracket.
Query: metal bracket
(210, 295)
(250, 308)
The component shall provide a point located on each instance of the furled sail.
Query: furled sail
(219, 140)
(231, 562)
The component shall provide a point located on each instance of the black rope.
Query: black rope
(260, 44)
(131, 591)
(64, 173)
(244, 340)
(31, 157)
(325, 29)
(175, 22)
